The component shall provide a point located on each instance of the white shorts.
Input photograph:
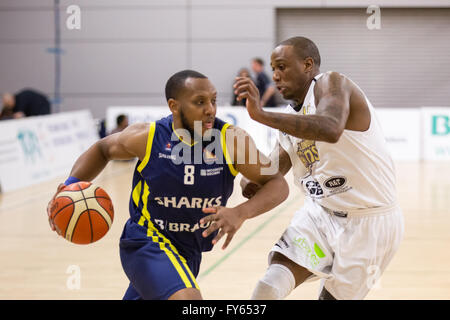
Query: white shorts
(348, 253)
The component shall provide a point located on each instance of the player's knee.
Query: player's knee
(264, 291)
(276, 284)
(186, 294)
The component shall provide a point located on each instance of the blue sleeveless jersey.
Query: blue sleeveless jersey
(168, 196)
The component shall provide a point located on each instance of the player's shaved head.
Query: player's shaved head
(176, 83)
(303, 48)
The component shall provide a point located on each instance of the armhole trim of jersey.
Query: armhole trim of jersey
(226, 154)
(148, 150)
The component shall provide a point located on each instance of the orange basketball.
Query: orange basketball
(82, 212)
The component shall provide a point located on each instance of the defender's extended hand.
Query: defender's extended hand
(246, 89)
(226, 220)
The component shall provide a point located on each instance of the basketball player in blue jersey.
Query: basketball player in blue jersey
(177, 208)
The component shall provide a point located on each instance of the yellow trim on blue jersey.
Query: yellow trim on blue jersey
(160, 239)
(137, 193)
(226, 154)
(181, 139)
(145, 214)
(148, 150)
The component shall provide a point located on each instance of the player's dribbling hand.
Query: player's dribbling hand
(244, 88)
(226, 220)
(50, 203)
(249, 188)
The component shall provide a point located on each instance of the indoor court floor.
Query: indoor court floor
(35, 263)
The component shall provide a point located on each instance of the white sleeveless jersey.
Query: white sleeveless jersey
(354, 174)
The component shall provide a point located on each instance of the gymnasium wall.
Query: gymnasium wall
(126, 49)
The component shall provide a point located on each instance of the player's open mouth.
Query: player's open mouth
(281, 89)
(208, 124)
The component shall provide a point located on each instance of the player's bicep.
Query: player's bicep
(333, 95)
(113, 149)
(128, 144)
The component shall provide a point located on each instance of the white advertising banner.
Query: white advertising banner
(436, 133)
(264, 137)
(135, 114)
(402, 130)
(402, 127)
(37, 149)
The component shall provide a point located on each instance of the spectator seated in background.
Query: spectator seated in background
(263, 83)
(6, 114)
(102, 128)
(122, 123)
(25, 103)
(243, 72)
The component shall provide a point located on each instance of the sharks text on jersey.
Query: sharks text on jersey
(189, 203)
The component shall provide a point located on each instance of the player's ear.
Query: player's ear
(309, 64)
(174, 106)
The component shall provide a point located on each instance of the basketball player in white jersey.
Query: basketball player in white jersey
(350, 225)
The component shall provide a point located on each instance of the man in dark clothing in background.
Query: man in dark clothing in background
(25, 103)
(266, 89)
(122, 123)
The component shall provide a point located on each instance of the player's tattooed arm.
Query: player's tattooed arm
(332, 93)
(128, 144)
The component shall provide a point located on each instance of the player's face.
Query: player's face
(290, 73)
(198, 103)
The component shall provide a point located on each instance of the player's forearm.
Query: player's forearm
(90, 163)
(270, 195)
(280, 160)
(310, 127)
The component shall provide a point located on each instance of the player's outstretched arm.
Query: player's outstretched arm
(128, 144)
(332, 93)
(254, 166)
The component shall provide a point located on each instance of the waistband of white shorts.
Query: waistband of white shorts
(361, 212)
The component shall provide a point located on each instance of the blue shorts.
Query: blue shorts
(155, 268)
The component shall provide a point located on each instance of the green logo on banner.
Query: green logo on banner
(30, 145)
(440, 125)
